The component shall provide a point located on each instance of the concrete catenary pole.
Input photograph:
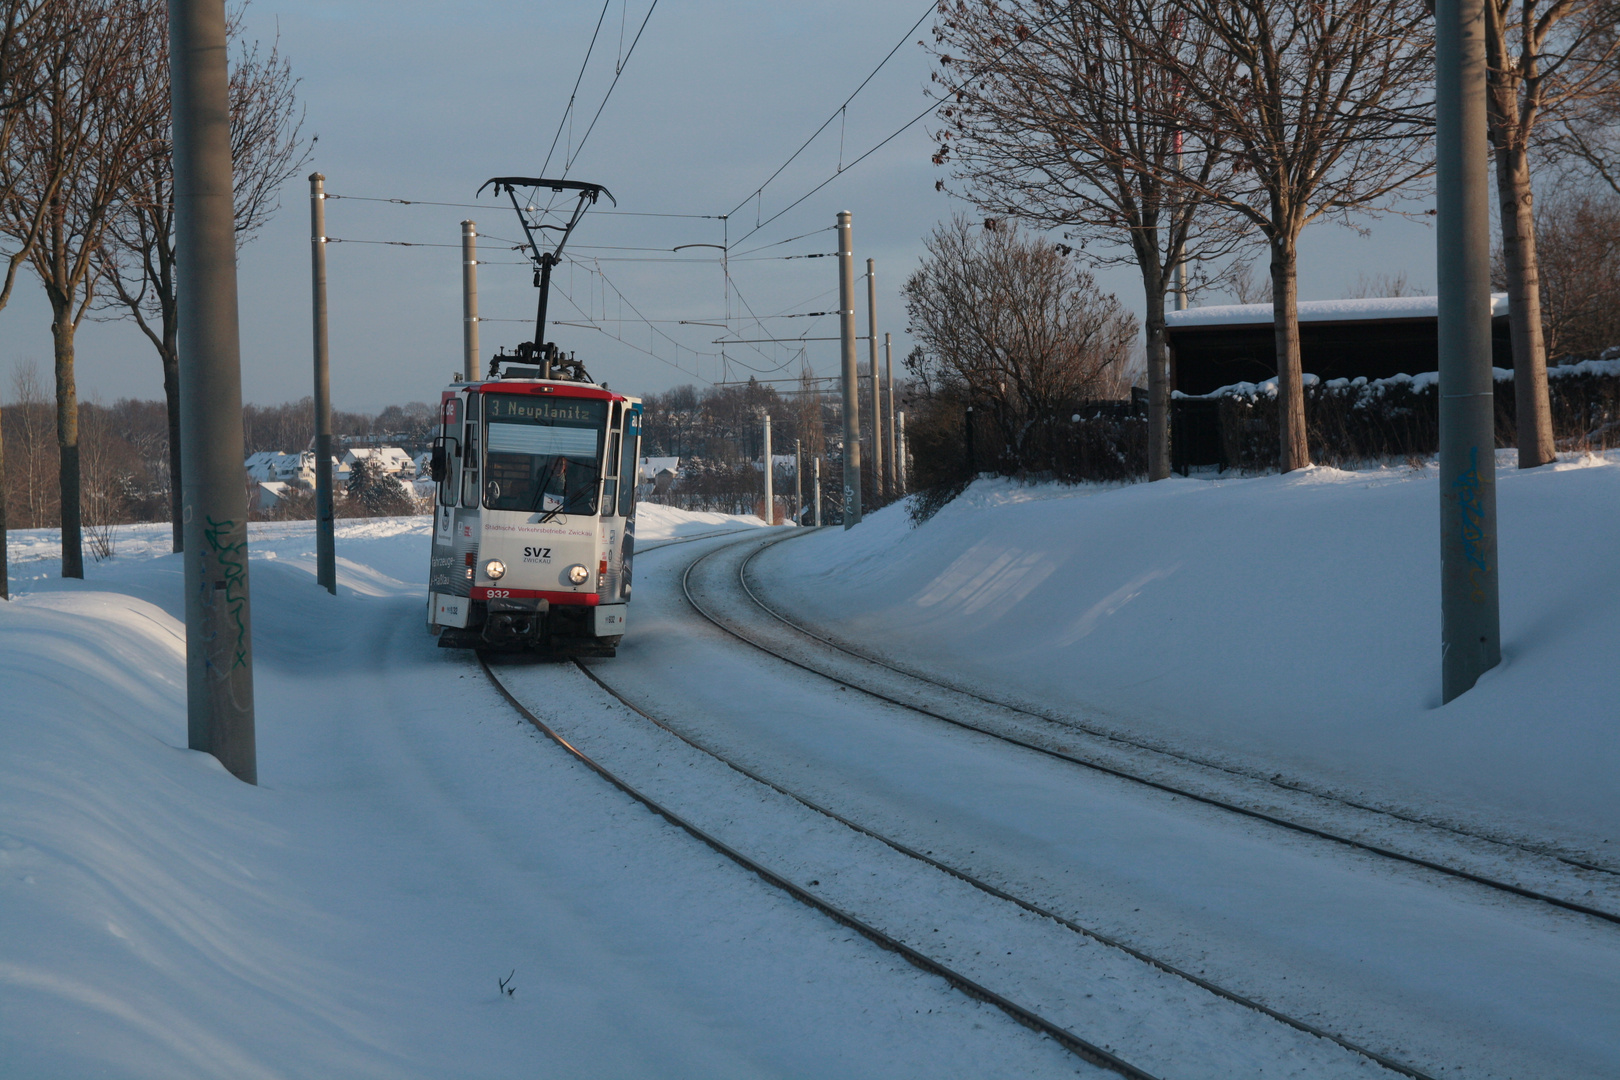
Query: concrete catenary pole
(877, 384)
(325, 543)
(213, 498)
(816, 495)
(798, 483)
(851, 380)
(901, 470)
(770, 494)
(469, 301)
(1470, 618)
(894, 439)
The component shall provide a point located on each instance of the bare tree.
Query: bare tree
(29, 420)
(1061, 121)
(1246, 290)
(1381, 284)
(138, 260)
(1546, 60)
(1014, 324)
(1323, 108)
(1578, 272)
(22, 50)
(78, 139)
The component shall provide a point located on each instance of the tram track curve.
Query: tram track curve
(1081, 1048)
(986, 887)
(1538, 850)
(1076, 1045)
(1506, 888)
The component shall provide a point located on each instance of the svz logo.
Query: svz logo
(536, 555)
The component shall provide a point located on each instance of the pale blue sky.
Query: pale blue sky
(425, 101)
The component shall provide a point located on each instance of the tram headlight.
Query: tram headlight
(578, 573)
(494, 569)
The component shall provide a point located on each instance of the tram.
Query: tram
(534, 515)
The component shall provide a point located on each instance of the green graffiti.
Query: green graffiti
(232, 558)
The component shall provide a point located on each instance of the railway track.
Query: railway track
(1083, 1048)
(1076, 1045)
(1034, 742)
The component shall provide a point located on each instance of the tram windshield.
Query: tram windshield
(542, 455)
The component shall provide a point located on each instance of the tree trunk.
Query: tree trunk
(67, 442)
(1296, 451)
(1158, 454)
(1524, 305)
(171, 394)
(5, 579)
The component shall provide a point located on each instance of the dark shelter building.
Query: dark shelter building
(1213, 347)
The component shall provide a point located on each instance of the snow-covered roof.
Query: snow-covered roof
(271, 464)
(1387, 307)
(652, 466)
(392, 457)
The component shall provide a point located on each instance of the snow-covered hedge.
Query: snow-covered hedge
(1353, 420)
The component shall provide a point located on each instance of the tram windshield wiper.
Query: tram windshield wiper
(562, 504)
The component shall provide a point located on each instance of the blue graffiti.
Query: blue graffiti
(1475, 540)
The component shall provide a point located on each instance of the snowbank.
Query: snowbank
(1284, 624)
(411, 843)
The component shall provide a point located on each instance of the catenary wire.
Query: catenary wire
(941, 101)
(574, 93)
(569, 164)
(836, 113)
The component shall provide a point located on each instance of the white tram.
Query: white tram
(534, 527)
(534, 522)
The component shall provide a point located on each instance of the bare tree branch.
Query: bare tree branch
(1058, 120)
(138, 259)
(77, 140)
(1322, 108)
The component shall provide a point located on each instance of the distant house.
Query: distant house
(657, 475)
(393, 460)
(273, 466)
(272, 493)
(1212, 347)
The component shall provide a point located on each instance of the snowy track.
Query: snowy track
(1100, 999)
(1444, 975)
(1522, 870)
(1076, 1045)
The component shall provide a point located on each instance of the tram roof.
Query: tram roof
(552, 387)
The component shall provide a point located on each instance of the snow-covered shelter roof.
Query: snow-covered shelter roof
(1377, 308)
(1338, 339)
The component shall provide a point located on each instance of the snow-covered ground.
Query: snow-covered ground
(412, 842)
(1283, 624)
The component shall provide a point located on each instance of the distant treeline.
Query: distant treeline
(124, 449)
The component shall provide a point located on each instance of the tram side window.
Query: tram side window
(610, 485)
(469, 470)
(627, 463)
(450, 442)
